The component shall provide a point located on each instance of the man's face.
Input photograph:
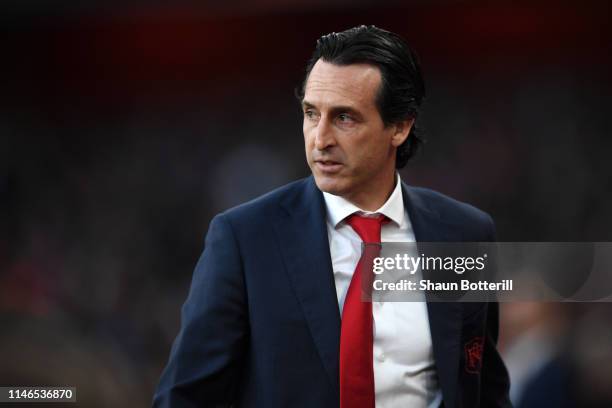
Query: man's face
(348, 148)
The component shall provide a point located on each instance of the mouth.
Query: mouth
(328, 166)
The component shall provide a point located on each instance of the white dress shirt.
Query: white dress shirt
(404, 370)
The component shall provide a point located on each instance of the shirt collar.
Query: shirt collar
(339, 208)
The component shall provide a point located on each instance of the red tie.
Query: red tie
(356, 336)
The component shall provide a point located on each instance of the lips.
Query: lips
(328, 166)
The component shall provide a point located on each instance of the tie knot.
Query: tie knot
(368, 228)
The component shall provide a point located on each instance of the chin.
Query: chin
(330, 185)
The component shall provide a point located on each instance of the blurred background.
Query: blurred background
(124, 128)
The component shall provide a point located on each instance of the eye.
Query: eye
(310, 114)
(345, 118)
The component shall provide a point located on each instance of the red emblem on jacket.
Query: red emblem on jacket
(473, 355)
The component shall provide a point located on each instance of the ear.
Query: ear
(401, 131)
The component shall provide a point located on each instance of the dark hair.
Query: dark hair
(402, 89)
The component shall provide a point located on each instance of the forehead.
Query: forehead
(350, 85)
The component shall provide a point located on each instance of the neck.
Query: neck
(372, 199)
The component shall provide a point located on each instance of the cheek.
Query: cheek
(307, 131)
(367, 151)
(308, 143)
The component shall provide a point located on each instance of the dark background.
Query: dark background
(125, 128)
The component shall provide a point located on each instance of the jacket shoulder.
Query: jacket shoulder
(449, 209)
(267, 203)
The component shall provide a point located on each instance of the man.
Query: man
(273, 318)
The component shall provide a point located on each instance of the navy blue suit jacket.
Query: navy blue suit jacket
(261, 324)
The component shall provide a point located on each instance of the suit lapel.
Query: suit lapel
(444, 317)
(302, 234)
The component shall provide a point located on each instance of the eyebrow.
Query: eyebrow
(335, 110)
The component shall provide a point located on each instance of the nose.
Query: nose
(324, 136)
